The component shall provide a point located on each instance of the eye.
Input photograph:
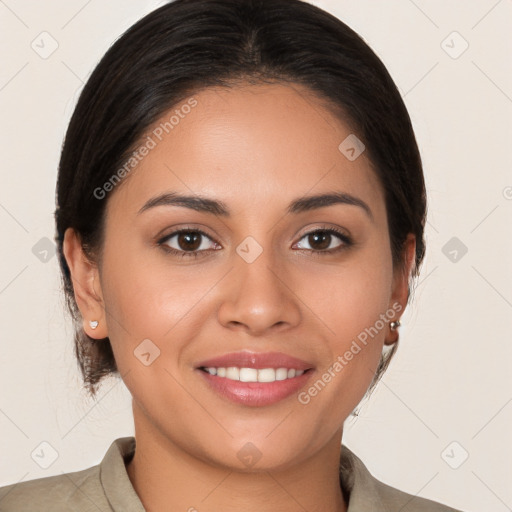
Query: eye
(186, 242)
(321, 240)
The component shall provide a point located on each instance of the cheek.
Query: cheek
(350, 305)
(148, 298)
(348, 298)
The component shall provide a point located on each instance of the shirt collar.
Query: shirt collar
(360, 488)
(114, 477)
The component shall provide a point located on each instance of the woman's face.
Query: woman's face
(253, 282)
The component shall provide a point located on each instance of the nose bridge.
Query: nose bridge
(260, 298)
(258, 267)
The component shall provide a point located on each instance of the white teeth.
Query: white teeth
(248, 375)
(266, 375)
(233, 373)
(281, 374)
(255, 375)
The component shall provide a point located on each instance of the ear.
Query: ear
(86, 285)
(400, 287)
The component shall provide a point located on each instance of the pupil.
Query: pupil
(320, 234)
(184, 241)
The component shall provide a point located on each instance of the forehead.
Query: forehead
(252, 143)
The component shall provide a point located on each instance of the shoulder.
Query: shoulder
(368, 494)
(78, 490)
(408, 502)
(100, 488)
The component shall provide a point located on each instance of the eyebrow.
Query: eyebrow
(215, 207)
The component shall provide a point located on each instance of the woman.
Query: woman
(240, 211)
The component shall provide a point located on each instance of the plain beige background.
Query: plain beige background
(446, 396)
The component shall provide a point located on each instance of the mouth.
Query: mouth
(255, 379)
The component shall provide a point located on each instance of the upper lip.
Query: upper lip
(257, 360)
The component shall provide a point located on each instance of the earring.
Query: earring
(93, 324)
(394, 325)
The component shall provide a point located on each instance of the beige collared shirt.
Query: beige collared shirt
(106, 487)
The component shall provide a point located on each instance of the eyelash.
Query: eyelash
(347, 242)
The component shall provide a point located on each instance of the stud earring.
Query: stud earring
(394, 325)
(93, 324)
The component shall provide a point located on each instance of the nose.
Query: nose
(258, 297)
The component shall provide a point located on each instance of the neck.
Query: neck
(167, 477)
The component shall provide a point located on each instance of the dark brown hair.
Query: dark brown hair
(188, 45)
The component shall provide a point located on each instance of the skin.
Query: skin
(255, 148)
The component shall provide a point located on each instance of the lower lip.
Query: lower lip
(255, 394)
